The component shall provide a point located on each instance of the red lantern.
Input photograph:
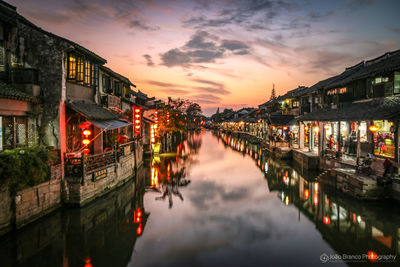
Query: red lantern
(85, 125)
(373, 128)
(372, 256)
(315, 200)
(139, 230)
(327, 220)
(87, 132)
(85, 142)
(306, 194)
(86, 151)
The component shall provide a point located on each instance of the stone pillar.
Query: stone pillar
(321, 138)
(358, 143)
(339, 141)
(301, 135)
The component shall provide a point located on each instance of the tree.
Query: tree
(273, 92)
(179, 115)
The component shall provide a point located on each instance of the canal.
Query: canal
(212, 200)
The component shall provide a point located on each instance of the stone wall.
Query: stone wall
(82, 191)
(305, 161)
(6, 214)
(44, 52)
(34, 202)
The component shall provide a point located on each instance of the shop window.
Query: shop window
(384, 139)
(295, 104)
(397, 82)
(343, 90)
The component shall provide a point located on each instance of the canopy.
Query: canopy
(110, 124)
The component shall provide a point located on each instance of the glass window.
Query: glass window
(397, 82)
(104, 83)
(14, 132)
(71, 67)
(20, 131)
(79, 70)
(88, 73)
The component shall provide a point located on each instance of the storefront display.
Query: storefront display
(384, 139)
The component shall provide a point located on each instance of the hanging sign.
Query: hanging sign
(100, 174)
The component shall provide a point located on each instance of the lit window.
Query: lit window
(79, 70)
(343, 90)
(397, 82)
(88, 68)
(71, 67)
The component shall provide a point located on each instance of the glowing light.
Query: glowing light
(86, 142)
(85, 124)
(137, 110)
(315, 200)
(287, 200)
(373, 128)
(316, 129)
(306, 194)
(137, 116)
(372, 256)
(327, 220)
(86, 151)
(285, 128)
(139, 230)
(316, 187)
(87, 132)
(87, 262)
(137, 126)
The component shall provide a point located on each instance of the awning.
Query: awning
(110, 124)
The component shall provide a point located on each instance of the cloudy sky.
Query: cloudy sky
(223, 53)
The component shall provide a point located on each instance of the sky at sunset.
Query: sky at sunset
(224, 54)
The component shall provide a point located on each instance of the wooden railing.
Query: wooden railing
(82, 165)
(126, 149)
(73, 166)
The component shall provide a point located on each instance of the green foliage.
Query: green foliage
(179, 115)
(25, 166)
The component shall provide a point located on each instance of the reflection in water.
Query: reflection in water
(229, 204)
(168, 171)
(350, 226)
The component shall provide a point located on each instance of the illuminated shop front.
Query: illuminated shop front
(384, 138)
(342, 136)
(311, 135)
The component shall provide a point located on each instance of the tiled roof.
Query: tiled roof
(373, 109)
(117, 75)
(9, 92)
(92, 110)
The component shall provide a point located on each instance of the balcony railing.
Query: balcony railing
(80, 165)
(126, 149)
